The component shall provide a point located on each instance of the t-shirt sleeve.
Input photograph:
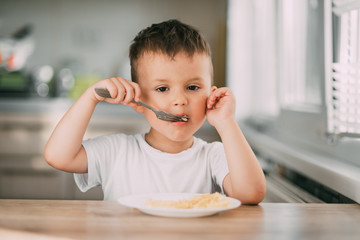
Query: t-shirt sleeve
(98, 151)
(218, 163)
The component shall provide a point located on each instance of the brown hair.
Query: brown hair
(169, 37)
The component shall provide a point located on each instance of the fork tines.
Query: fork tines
(171, 117)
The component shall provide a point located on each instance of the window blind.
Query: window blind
(344, 110)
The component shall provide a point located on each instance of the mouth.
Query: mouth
(179, 123)
(183, 119)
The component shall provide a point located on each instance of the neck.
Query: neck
(167, 145)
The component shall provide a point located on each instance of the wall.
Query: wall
(93, 36)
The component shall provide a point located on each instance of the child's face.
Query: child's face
(179, 86)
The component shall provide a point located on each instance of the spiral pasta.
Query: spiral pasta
(214, 200)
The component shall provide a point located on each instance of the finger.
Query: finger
(109, 86)
(120, 90)
(220, 92)
(129, 92)
(216, 96)
(137, 91)
(211, 100)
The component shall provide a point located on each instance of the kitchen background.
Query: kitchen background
(293, 66)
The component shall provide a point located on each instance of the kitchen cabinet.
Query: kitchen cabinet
(25, 126)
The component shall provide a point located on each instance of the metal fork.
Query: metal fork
(162, 115)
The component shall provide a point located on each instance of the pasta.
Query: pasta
(214, 200)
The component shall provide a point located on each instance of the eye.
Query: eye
(193, 87)
(162, 89)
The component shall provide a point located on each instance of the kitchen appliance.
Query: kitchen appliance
(14, 53)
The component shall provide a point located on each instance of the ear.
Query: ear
(213, 89)
(138, 108)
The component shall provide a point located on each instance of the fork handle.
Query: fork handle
(144, 105)
(103, 92)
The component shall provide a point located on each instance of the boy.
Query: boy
(171, 70)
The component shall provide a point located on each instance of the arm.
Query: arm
(64, 149)
(246, 180)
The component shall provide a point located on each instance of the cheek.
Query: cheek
(199, 107)
(153, 102)
(159, 104)
(152, 119)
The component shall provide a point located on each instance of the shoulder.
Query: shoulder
(211, 147)
(111, 141)
(203, 143)
(114, 137)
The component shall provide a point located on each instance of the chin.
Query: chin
(179, 136)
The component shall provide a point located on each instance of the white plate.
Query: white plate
(138, 201)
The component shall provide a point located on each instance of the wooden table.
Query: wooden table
(58, 219)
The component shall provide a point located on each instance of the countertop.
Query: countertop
(79, 219)
(324, 168)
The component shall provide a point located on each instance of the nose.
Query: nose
(179, 98)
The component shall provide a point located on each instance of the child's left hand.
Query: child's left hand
(220, 106)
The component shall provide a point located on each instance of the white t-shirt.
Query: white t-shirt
(127, 164)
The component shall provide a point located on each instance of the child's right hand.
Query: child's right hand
(70, 155)
(121, 90)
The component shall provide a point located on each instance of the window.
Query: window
(251, 57)
(294, 67)
(300, 44)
